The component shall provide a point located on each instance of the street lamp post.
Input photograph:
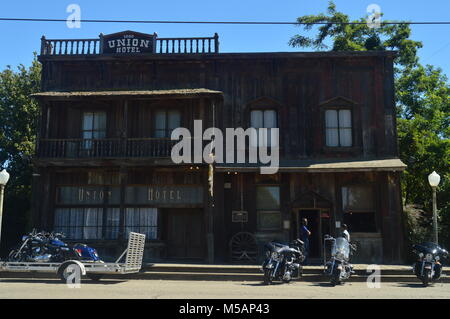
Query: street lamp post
(4, 177)
(434, 180)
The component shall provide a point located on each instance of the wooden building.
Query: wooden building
(103, 165)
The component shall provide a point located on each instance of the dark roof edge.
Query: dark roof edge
(218, 56)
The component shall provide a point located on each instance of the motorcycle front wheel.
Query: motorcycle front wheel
(287, 279)
(426, 277)
(15, 256)
(335, 278)
(267, 276)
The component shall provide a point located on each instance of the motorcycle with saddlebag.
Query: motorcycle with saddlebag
(283, 262)
(338, 267)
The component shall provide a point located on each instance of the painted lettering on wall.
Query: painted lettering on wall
(164, 194)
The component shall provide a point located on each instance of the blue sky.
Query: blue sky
(20, 39)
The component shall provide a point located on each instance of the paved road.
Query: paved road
(166, 289)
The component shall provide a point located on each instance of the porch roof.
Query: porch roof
(172, 93)
(324, 165)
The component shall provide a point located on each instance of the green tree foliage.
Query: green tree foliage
(422, 103)
(356, 37)
(19, 113)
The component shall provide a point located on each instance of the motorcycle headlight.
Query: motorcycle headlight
(429, 257)
(437, 258)
(420, 255)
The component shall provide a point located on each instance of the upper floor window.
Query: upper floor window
(94, 127)
(263, 119)
(338, 126)
(165, 122)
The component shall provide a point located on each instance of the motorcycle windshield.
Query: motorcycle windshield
(341, 248)
(428, 248)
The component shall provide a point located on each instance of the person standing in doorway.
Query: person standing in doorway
(304, 236)
(345, 232)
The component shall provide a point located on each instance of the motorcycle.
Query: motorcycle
(48, 247)
(428, 267)
(338, 267)
(283, 262)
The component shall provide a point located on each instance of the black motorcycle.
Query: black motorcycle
(283, 262)
(48, 247)
(428, 267)
(338, 268)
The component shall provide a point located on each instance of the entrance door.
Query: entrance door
(314, 226)
(185, 234)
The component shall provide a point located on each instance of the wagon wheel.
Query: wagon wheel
(243, 247)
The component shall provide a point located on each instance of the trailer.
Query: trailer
(94, 270)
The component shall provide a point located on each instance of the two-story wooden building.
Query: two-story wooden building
(103, 165)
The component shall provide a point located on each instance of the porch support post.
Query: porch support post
(209, 220)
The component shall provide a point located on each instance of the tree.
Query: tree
(357, 37)
(422, 103)
(19, 113)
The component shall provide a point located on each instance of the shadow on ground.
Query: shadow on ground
(57, 281)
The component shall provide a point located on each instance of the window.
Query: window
(112, 225)
(79, 223)
(269, 221)
(360, 222)
(94, 127)
(359, 208)
(338, 126)
(142, 220)
(166, 122)
(267, 197)
(268, 208)
(263, 119)
(104, 223)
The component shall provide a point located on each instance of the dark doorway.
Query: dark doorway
(314, 226)
(185, 234)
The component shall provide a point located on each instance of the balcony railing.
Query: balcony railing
(105, 148)
(63, 47)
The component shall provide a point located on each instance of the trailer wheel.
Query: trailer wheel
(63, 271)
(94, 277)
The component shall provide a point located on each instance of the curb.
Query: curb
(197, 276)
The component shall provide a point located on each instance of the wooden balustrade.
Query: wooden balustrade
(104, 148)
(58, 47)
(187, 45)
(70, 47)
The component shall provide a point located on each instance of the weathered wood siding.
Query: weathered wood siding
(297, 85)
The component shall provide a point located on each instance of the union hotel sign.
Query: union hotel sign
(128, 42)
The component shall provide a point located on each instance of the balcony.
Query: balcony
(104, 148)
(84, 47)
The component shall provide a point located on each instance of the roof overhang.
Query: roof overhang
(138, 94)
(323, 166)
